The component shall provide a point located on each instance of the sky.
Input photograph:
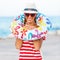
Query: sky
(14, 7)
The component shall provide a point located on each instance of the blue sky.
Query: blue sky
(14, 7)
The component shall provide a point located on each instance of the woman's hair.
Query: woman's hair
(25, 20)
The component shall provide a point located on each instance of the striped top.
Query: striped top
(28, 52)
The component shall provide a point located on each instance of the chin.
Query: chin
(29, 21)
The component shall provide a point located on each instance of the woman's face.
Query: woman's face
(30, 17)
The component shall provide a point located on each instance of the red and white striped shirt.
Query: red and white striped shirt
(28, 52)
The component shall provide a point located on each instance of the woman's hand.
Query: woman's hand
(38, 44)
(18, 43)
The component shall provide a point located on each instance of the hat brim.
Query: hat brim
(30, 11)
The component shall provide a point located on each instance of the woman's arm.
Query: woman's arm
(18, 43)
(38, 44)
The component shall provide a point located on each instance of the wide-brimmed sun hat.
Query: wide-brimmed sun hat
(30, 8)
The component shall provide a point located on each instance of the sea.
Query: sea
(6, 21)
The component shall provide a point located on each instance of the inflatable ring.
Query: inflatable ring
(22, 33)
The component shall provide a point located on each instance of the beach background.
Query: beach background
(8, 11)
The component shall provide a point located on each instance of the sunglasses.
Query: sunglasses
(27, 14)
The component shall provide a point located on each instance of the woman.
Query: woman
(30, 35)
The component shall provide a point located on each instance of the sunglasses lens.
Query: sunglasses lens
(32, 15)
(27, 15)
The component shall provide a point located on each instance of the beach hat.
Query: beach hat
(30, 8)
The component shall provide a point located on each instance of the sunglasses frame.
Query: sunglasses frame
(31, 14)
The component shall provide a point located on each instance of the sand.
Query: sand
(50, 48)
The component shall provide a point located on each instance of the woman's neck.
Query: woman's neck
(31, 24)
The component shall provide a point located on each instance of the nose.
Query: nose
(29, 16)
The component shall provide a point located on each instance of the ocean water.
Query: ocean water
(6, 21)
(5, 26)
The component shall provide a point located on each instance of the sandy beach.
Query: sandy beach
(50, 48)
